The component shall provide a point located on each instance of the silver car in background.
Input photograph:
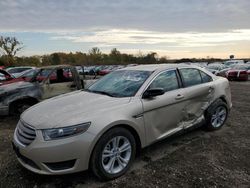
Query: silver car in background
(103, 127)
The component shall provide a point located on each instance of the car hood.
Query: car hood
(15, 86)
(70, 109)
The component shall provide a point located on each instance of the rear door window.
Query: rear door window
(190, 77)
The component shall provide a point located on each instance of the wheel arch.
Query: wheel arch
(128, 127)
(29, 100)
(222, 98)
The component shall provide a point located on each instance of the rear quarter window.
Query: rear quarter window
(205, 77)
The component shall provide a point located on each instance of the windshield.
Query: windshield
(17, 70)
(28, 73)
(122, 83)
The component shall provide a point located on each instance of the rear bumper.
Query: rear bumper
(235, 77)
(4, 110)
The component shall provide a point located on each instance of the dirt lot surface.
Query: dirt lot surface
(195, 159)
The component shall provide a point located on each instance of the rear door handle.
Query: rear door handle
(179, 96)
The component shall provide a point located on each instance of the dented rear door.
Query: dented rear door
(199, 93)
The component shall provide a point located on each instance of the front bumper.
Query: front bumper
(55, 157)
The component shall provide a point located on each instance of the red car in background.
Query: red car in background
(105, 71)
(110, 69)
(46, 72)
(6, 78)
(239, 72)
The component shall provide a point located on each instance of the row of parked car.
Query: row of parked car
(232, 70)
(16, 74)
(101, 70)
(22, 87)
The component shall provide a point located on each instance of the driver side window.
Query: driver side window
(166, 80)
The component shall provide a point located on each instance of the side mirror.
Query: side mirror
(153, 93)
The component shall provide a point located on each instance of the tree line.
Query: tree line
(10, 46)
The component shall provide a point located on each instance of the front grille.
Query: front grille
(25, 134)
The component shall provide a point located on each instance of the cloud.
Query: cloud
(121, 37)
(159, 15)
(178, 27)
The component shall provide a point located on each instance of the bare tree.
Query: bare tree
(9, 47)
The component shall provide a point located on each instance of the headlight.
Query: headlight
(52, 134)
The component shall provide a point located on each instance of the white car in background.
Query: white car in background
(233, 62)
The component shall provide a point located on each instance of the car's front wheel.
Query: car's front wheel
(113, 154)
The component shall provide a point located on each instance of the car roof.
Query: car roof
(217, 64)
(55, 66)
(19, 67)
(154, 67)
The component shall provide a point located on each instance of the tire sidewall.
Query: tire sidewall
(22, 107)
(210, 112)
(96, 165)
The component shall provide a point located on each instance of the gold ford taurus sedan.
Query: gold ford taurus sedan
(103, 127)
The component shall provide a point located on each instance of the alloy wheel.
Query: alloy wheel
(116, 154)
(219, 116)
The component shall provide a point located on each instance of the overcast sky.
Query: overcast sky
(174, 28)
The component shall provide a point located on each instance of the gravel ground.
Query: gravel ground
(195, 159)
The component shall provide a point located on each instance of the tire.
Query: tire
(18, 107)
(216, 115)
(107, 167)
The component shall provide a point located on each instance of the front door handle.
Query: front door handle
(179, 96)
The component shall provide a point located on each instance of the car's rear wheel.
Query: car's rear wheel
(113, 154)
(216, 115)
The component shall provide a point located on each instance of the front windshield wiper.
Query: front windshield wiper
(100, 92)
